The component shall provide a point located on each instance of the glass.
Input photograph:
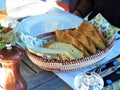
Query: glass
(88, 81)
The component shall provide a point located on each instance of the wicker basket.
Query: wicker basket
(66, 65)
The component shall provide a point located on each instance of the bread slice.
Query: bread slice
(63, 36)
(50, 53)
(69, 48)
(89, 31)
(100, 34)
(84, 40)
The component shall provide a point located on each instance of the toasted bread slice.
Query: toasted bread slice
(63, 36)
(100, 34)
(89, 31)
(69, 48)
(84, 40)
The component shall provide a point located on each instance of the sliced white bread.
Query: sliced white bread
(69, 48)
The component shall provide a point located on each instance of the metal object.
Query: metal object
(108, 71)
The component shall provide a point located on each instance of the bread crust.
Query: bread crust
(89, 31)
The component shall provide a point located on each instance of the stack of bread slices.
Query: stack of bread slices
(85, 40)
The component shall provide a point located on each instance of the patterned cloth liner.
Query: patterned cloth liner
(105, 27)
(109, 79)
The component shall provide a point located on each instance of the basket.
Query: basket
(66, 65)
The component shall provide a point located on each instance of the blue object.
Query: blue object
(103, 66)
(118, 72)
(109, 81)
(116, 63)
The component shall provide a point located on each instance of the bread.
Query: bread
(63, 36)
(89, 31)
(100, 34)
(87, 38)
(50, 53)
(84, 40)
(69, 48)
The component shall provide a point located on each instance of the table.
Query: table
(38, 79)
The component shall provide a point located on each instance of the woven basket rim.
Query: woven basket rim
(75, 60)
